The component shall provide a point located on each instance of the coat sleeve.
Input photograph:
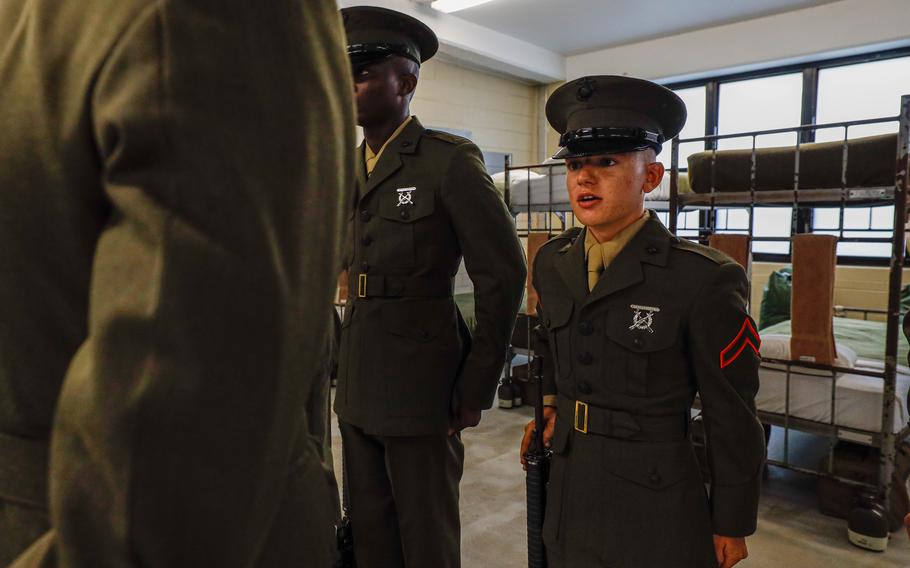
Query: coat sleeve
(495, 263)
(224, 134)
(721, 339)
(541, 343)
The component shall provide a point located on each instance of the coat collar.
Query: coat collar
(651, 245)
(390, 161)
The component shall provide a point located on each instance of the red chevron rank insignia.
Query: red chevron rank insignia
(746, 336)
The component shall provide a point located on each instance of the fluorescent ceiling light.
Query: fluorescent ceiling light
(449, 6)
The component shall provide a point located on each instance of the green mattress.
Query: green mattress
(870, 163)
(867, 338)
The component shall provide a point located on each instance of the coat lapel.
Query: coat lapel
(571, 267)
(361, 168)
(390, 161)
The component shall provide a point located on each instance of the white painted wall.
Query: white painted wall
(830, 30)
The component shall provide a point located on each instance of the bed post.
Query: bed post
(887, 453)
(674, 184)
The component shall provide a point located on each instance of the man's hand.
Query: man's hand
(464, 418)
(907, 524)
(549, 414)
(729, 550)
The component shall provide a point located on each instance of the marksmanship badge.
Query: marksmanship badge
(406, 196)
(643, 317)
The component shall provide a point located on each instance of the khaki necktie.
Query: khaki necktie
(595, 267)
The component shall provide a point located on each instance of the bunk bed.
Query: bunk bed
(862, 397)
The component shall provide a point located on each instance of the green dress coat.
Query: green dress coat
(172, 178)
(666, 321)
(406, 355)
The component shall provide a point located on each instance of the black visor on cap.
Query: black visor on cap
(361, 53)
(593, 141)
(605, 134)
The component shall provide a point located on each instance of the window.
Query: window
(686, 223)
(768, 223)
(695, 99)
(855, 92)
(760, 104)
(858, 223)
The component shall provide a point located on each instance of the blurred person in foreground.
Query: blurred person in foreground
(172, 175)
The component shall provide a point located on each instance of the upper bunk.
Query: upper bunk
(849, 172)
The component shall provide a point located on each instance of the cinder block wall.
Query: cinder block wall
(500, 112)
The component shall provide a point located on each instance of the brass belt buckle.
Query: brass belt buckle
(362, 286)
(581, 424)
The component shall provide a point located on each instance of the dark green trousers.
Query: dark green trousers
(404, 498)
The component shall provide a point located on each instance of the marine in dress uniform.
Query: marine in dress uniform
(410, 374)
(170, 219)
(636, 323)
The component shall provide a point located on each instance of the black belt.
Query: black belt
(378, 286)
(23, 470)
(587, 419)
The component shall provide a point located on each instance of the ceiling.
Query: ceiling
(570, 27)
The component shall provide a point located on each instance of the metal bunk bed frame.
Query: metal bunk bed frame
(884, 439)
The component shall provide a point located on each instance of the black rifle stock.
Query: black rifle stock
(344, 536)
(538, 474)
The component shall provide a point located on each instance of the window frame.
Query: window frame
(803, 222)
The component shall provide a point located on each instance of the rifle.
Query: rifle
(538, 475)
(344, 536)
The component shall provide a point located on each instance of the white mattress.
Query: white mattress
(858, 399)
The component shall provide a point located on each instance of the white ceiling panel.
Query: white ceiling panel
(576, 26)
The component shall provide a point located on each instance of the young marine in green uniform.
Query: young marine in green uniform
(638, 322)
(173, 179)
(410, 375)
